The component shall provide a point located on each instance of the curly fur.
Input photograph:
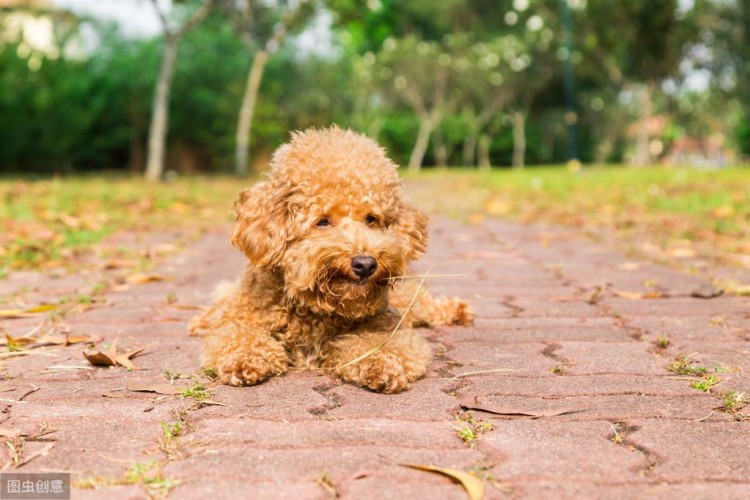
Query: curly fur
(299, 302)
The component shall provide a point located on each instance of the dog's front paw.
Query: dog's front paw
(250, 368)
(381, 372)
(452, 311)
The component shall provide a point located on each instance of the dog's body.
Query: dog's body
(326, 237)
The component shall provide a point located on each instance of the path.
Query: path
(551, 334)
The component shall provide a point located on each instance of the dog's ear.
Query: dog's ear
(261, 229)
(412, 225)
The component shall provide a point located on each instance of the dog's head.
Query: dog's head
(331, 218)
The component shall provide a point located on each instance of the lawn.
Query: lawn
(673, 213)
(52, 223)
(676, 213)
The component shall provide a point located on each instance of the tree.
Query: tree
(256, 19)
(418, 73)
(652, 39)
(160, 111)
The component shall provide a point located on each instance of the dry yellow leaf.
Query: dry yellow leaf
(497, 207)
(681, 253)
(142, 278)
(19, 313)
(473, 486)
(638, 295)
(723, 211)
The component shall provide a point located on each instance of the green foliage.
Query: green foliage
(65, 114)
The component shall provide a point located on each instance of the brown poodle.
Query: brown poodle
(326, 236)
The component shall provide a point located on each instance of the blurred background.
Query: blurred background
(153, 86)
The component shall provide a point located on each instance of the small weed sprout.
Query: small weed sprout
(705, 383)
(662, 342)
(734, 401)
(171, 376)
(469, 429)
(171, 430)
(197, 391)
(558, 370)
(681, 366)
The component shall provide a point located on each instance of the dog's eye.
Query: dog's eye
(370, 220)
(323, 223)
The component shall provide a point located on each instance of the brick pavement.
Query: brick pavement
(551, 333)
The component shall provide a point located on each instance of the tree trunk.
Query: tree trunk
(426, 127)
(484, 152)
(245, 122)
(643, 137)
(470, 147)
(135, 152)
(441, 151)
(519, 139)
(160, 114)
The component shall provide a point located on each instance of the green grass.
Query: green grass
(197, 391)
(682, 366)
(58, 222)
(52, 223)
(733, 401)
(708, 211)
(705, 383)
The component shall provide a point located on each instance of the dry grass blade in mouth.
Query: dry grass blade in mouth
(393, 279)
(398, 325)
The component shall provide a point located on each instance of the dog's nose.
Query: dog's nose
(364, 265)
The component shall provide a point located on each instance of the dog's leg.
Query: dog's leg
(243, 356)
(391, 369)
(429, 310)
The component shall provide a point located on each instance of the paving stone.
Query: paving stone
(613, 408)
(595, 357)
(544, 450)
(501, 331)
(685, 328)
(626, 491)
(528, 286)
(709, 451)
(680, 306)
(520, 359)
(548, 384)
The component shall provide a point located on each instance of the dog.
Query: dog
(327, 237)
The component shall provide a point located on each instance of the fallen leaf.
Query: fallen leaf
(125, 361)
(164, 388)
(706, 291)
(638, 295)
(22, 313)
(66, 340)
(142, 278)
(111, 358)
(188, 307)
(98, 358)
(473, 486)
(681, 253)
(164, 248)
(497, 207)
(741, 290)
(723, 211)
(119, 264)
(564, 299)
(470, 404)
(17, 343)
(629, 266)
